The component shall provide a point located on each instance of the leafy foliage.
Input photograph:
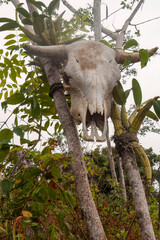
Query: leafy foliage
(39, 185)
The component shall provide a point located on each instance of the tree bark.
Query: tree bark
(138, 194)
(159, 209)
(86, 201)
(121, 177)
(97, 20)
(111, 160)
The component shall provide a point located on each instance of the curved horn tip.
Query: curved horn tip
(120, 57)
(57, 51)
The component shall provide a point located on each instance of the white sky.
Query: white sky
(148, 77)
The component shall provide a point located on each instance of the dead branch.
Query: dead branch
(119, 42)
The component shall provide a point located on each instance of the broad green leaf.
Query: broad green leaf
(27, 21)
(4, 150)
(6, 186)
(17, 130)
(137, 93)
(10, 42)
(84, 29)
(144, 57)
(9, 26)
(35, 109)
(38, 24)
(38, 4)
(130, 43)
(127, 61)
(156, 105)
(6, 20)
(10, 36)
(105, 42)
(5, 95)
(152, 115)
(119, 94)
(23, 11)
(53, 6)
(5, 135)
(16, 98)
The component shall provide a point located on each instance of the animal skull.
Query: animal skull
(91, 72)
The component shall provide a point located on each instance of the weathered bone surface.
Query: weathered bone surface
(91, 71)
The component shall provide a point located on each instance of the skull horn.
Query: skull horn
(58, 51)
(120, 56)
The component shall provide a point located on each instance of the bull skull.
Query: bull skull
(91, 72)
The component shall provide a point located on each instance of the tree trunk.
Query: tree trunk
(159, 209)
(111, 160)
(138, 194)
(86, 201)
(121, 177)
(97, 19)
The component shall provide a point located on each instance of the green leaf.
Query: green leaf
(119, 94)
(137, 93)
(38, 24)
(6, 186)
(84, 17)
(9, 26)
(127, 61)
(105, 42)
(152, 115)
(53, 6)
(144, 57)
(71, 199)
(23, 11)
(156, 105)
(35, 109)
(38, 4)
(10, 36)
(16, 98)
(127, 92)
(10, 42)
(4, 150)
(27, 21)
(58, 21)
(5, 135)
(18, 131)
(130, 43)
(6, 20)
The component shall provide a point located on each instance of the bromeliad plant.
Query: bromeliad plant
(127, 127)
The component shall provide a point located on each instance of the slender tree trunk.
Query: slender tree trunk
(138, 194)
(121, 177)
(97, 19)
(111, 160)
(159, 209)
(86, 201)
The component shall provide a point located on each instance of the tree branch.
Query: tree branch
(119, 41)
(72, 9)
(109, 33)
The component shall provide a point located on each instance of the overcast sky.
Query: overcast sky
(148, 77)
